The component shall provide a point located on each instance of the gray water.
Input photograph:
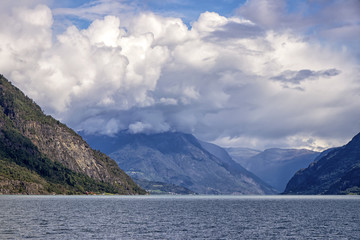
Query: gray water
(179, 217)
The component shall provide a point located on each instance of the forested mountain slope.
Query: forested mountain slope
(40, 155)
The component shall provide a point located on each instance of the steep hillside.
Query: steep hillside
(38, 154)
(336, 172)
(179, 159)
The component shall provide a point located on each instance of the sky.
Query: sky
(250, 73)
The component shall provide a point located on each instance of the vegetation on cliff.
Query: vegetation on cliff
(40, 155)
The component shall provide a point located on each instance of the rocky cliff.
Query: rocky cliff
(336, 171)
(27, 133)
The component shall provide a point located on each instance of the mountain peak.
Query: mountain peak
(180, 159)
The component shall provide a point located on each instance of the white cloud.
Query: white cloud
(167, 32)
(168, 101)
(138, 127)
(209, 22)
(228, 80)
(105, 32)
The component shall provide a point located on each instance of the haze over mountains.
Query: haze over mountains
(179, 159)
(205, 168)
(275, 166)
(39, 155)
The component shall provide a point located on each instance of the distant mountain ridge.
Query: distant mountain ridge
(40, 155)
(179, 159)
(231, 165)
(336, 171)
(241, 155)
(275, 166)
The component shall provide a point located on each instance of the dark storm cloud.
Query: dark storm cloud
(234, 30)
(296, 77)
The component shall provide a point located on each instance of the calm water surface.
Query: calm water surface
(179, 217)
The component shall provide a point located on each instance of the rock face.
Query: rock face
(67, 147)
(337, 171)
(26, 133)
(180, 159)
(276, 166)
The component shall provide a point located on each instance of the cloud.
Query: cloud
(138, 127)
(296, 77)
(264, 12)
(240, 29)
(229, 80)
(335, 22)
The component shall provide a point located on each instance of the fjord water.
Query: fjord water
(179, 217)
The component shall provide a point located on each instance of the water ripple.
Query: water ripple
(179, 217)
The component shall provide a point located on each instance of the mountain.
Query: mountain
(40, 155)
(241, 155)
(276, 166)
(337, 171)
(179, 159)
